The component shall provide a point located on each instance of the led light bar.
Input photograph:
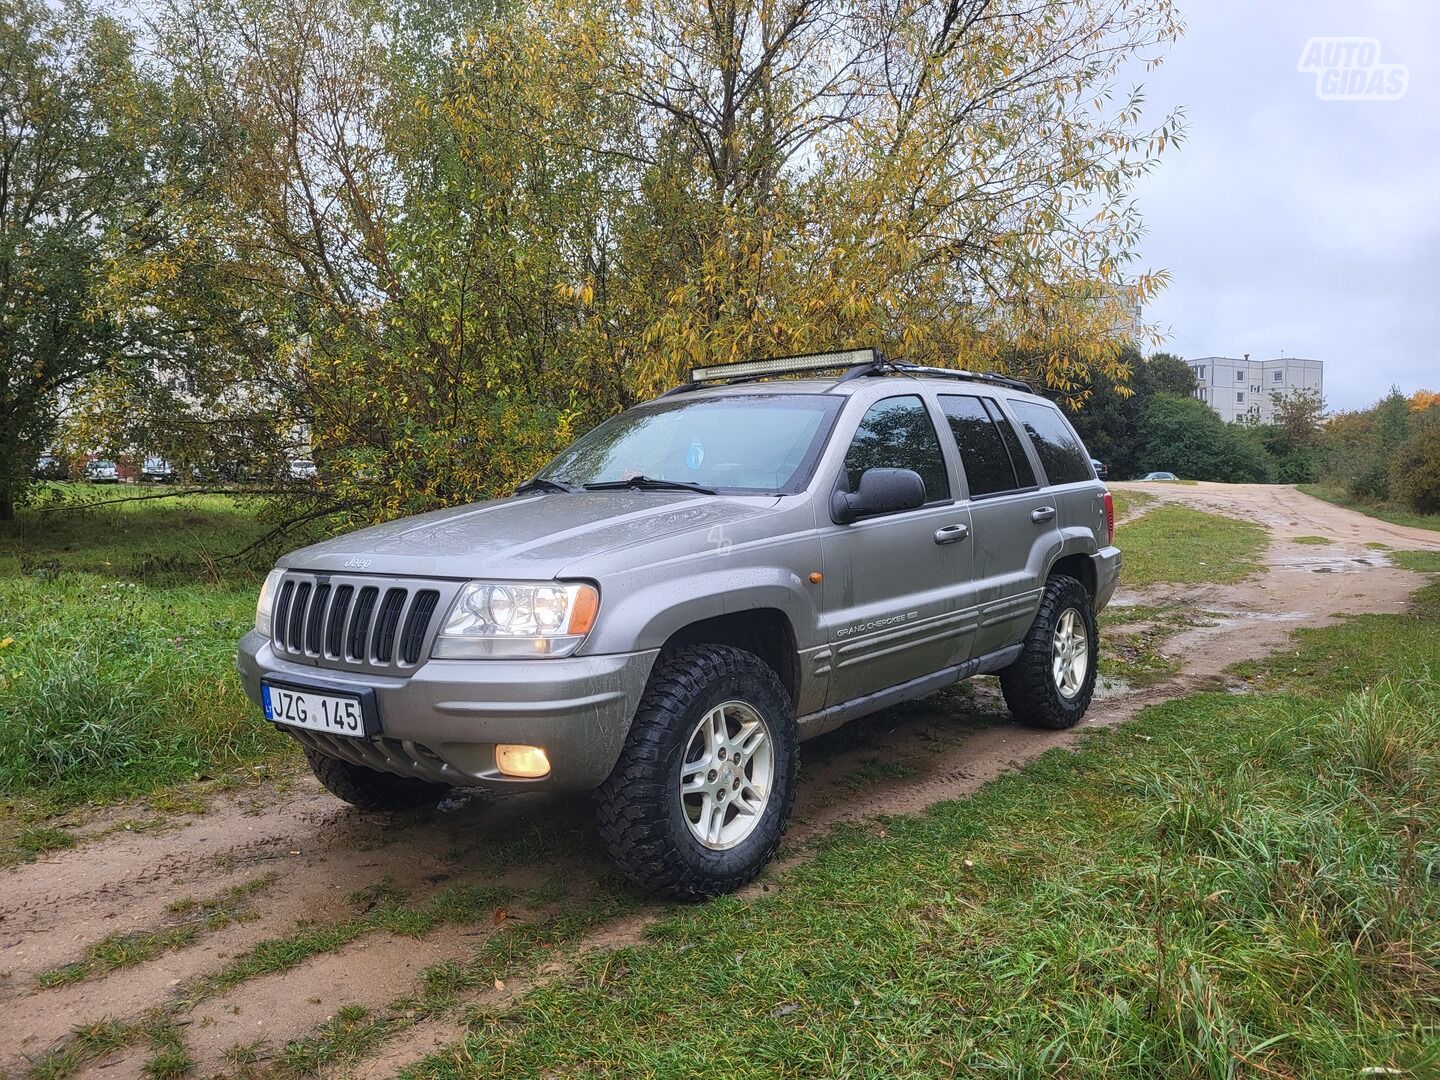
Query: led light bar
(784, 365)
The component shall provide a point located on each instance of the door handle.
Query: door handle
(951, 533)
(1044, 513)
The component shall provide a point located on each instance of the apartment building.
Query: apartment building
(1240, 389)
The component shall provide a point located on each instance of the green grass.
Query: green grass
(1311, 540)
(1130, 502)
(194, 918)
(1424, 562)
(1396, 515)
(117, 637)
(1179, 545)
(1228, 886)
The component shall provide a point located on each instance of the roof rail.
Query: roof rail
(857, 364)
(904, 368)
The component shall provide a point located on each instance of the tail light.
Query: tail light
(1109, 518)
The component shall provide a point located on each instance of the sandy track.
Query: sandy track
(319, 852)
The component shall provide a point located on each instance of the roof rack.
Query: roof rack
(857, 364)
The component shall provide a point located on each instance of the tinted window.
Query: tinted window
(1060, 452)
(764, 442)
(897, 434)
(987, 462)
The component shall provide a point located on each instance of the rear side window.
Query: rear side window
(897, 434)
(1060, 452)
(990, 460)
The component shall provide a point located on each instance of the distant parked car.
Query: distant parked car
(301, 469)
(101, 472)
(1101, 469)
(1159, 476)
(50, 467)
(157, 470)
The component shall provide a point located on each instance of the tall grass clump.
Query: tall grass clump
(111, 688)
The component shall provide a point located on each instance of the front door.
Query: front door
(894, 584)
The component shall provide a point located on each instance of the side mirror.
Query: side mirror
(882, 491)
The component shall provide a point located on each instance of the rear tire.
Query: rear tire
(678, 814)
(1044, 688)
(369, 789)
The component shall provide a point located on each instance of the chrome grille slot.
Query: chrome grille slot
(295, 643)
(360, 625)
(385, 625)
(335, 627)
(422, 608)
(315, 619)
(358, 622)
(281, 617)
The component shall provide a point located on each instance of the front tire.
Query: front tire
(1052, 681)
(701, 796)
(369, 789)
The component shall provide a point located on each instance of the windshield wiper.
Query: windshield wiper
(649, 483)
(539, 483)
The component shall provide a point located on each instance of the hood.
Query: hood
(527, 537)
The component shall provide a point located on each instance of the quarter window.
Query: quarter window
(896, 433)
(988, 462)
(1060, 452)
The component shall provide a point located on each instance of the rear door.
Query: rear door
(894, 584)
(1012, 519)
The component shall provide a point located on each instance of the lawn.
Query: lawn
(1396, 515)
(1228, 886)
(118, 627)
(1178, 544)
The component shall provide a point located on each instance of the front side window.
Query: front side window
(761, 443)
(897, 434)
(1060, 452)
(989, 467)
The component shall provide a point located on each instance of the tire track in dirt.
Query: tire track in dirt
(948, 747)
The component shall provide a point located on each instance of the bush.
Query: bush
(1184, 436)
(1415, 476)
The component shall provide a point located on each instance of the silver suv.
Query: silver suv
(691, 590)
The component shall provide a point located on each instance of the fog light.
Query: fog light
(529, 762)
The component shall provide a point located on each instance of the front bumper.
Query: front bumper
(442, 723)
(1108, 561)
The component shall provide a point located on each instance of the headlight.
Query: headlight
(513, 618)
(265, 606)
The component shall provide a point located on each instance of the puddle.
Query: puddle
(1332, 564)
(1259, 616)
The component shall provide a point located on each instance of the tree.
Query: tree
(1108, 415)
(467, 236)
(77, 204)
(1186, 437)
(1299, 415)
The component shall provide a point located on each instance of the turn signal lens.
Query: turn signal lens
(582, 611)
(526, 762)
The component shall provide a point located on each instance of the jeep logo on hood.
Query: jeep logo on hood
(357, 563)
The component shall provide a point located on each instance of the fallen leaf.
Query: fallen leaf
(500, 985)
(501, 914)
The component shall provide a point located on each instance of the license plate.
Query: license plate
(334, 714)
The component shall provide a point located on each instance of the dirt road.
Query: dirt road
(303, 854)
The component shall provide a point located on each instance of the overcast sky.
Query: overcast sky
(1294, 224)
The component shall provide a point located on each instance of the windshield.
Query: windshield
(752, 443)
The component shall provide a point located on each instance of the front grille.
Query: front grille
(357, 624)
